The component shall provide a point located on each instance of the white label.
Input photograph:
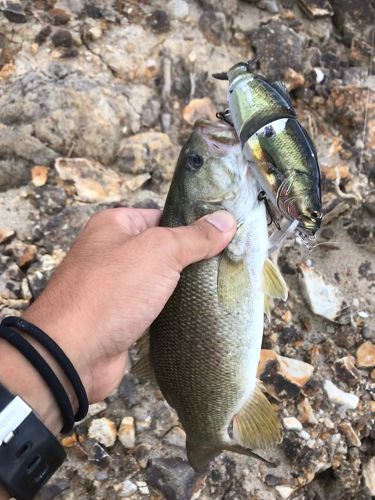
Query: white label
(12, 416)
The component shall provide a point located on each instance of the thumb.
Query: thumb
(204, 238)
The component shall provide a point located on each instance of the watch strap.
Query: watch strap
(29, 452)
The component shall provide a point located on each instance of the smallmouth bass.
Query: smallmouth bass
(205, 344)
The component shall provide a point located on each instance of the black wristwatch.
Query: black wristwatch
(29, 452)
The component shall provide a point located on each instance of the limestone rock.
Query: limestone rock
(176, 437)
(283, 376)
(39, 175)
(126, 432)
(339, 397)
(103, 430)
(24, 253)
(128, 488)
(350, 434)
(366, 355)
(306, 412)
(146, 153)
(199, 109)
(292, 424)
(281, 48)
(92, 181)
(323, 298)
(368, 473)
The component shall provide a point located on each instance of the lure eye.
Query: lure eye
(194, 161)
(268, 131)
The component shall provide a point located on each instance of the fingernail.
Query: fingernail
(222, 220)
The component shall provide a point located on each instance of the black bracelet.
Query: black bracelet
(32, 355)
(59, 355)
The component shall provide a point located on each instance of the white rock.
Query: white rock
(128, 489)
(143, 488)
(126, 432)
(103, 430)
(96, 408)
(176, 437)
(319, 75)
(368, 472)
(305, 435)
(323, 298)
(292, 424)
(284, 491)
(178, 9)
(339, 397)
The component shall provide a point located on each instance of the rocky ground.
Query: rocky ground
(96, 100)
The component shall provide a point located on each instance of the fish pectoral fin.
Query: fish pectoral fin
(232, 280)
(200, 456)
(257, 426)
(273, 283)
(143, 368)
(267, 307)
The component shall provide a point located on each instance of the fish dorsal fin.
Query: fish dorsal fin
(257, 426)
(143, 368)
(232, 280)
(273, 283)
(281, 88)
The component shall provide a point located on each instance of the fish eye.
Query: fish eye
(195, 161)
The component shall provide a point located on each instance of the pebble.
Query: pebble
(178, 9)
(292, 424)
(24, 253)
(96, 408)
(14, 12)
(337, 396)
(316, 8)
(305, 435)
(366, 355)
(126, 432)
(284, 491)
(142, 454)
(345, 370)
(95, 33)
(352, 437)
(103, 430)
(324, 299)
(128, 488)
(269, 5)
(306, 413)
(6, 234)
(173, 477)
(69, 441)
(176, 437)
(368, 473)
(143, 488)
(62, 38)
(159, 21)
(293, 80)
(197, 109)
(59, 16)
(39, 175)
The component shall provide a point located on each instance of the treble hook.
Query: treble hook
(223, 115)
(262, 197)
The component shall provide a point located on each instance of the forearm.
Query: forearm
(20, 378)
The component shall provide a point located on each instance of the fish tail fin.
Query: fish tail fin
(256, 425)
(200, 456)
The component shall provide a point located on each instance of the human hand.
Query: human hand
(114, 282)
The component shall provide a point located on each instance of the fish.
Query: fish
(278, 148)
(204, 347)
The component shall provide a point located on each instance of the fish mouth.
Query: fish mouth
(219, 136)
